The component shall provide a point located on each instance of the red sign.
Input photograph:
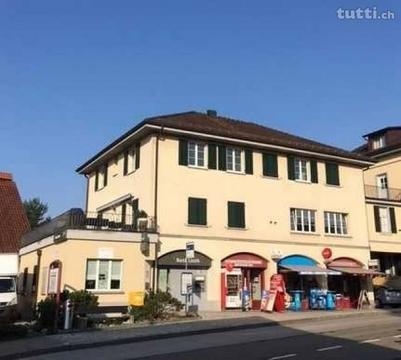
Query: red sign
(327, 253)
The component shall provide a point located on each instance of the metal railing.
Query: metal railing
(78, 219)
(376, 192)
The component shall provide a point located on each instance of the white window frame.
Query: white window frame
(108, 289)
(298, 167)
(337, 220)
(382, 186)
(197, 145)
(131, 160)
(379, 142)
(235, 151)
(385, 229)
(303, 214)
(100, 177)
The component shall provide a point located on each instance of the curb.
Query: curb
(136, 339)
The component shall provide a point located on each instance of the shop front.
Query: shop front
(354, 279)
(178, 275)
(306, 283)
(242, 272)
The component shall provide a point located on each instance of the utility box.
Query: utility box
(136, 298)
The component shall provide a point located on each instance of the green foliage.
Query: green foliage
(45, 313)
(84, 302)
(158, 305)
(36, 212)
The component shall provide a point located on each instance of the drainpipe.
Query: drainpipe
(155, 280)
(87, 193)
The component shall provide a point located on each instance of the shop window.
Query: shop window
(236, 214)
(335, 223)
(197, 211)
(103, 275)
(303, 220)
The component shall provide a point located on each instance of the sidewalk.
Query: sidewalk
(209, 323)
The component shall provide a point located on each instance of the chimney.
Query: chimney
(6, 176)
(212, 113)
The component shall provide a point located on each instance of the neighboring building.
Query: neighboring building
(13, 220)
(383, 197)
(254, 201)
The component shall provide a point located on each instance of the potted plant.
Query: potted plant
(84, 303)
(142, 220)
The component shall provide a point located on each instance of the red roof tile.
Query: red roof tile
(13, 220)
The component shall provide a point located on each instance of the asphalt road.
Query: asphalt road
(374, 337)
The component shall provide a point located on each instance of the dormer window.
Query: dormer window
(378, 142)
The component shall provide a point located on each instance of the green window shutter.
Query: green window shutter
(135, 208)
(236, 214)
(137, 155)
(212, 159)
(222, 157)
(183, 152)
(393, 221)
(313, 171)
(270, 167)
(125, 172)
(106, 167)
(248, 162)
(291, 167)
(377, 218)
(97, 180)
(332, 174)
(197, 211)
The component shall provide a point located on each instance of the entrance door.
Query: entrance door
(256, 288)
(233, 285)
(382, 186)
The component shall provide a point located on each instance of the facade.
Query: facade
(252, 200)
(383, 197)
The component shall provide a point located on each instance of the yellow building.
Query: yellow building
(383, 197)
(251, 200)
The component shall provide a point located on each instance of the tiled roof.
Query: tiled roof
(223, 126)
(235, 129)
(13, 220)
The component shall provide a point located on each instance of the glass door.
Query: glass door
(382, 186)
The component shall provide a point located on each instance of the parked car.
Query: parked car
(8, 288)
(388, 297)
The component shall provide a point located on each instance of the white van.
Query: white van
(8, 286)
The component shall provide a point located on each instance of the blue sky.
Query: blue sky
(75, 74)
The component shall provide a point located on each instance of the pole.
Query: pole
(186, 292)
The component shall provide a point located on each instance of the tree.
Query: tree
(36, 212)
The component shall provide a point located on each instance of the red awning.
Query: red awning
(355, 270)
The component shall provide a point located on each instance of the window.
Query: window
(101, 178)
(103, 275)
(303, 220)
(384, 217)
(378, 142)
(302, 169)
(335, 223)
(382, 186)
(196, 154)
(270, 167)
(131, 159)
(197, 211)
(332, 174)
(234, 159)
(236, 214)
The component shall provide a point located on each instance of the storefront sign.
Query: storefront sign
(229, 266)
(178, 259)
(190, 250)
(327, 253)
(245, 260)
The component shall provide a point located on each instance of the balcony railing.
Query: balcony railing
(376, 192)
(78, 219)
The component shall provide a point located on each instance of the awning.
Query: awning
(356, 271)
(310, 270)
(115, 202)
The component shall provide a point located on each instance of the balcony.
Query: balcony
(79, 220)
(376, 192)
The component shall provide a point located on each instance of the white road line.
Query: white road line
(283, 356)
(330, 348)
(397, 336)
(369, 341)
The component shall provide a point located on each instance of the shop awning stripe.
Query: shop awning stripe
(356, 271)
(311, 270)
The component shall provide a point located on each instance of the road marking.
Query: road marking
(397, 336)
(330, 348)
(283, 356)
(369, 341)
